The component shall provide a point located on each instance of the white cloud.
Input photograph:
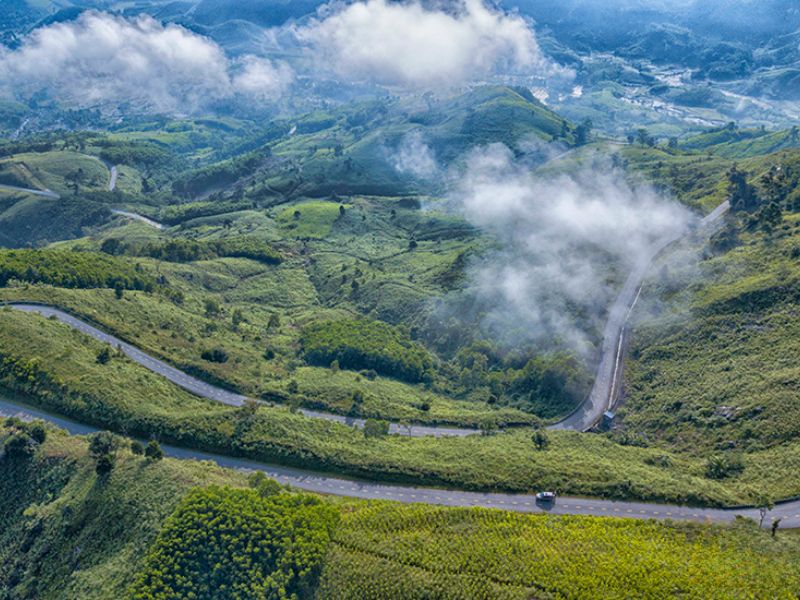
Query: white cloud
(561, 240)
(103, 58)
(262, 78)
(410, 44)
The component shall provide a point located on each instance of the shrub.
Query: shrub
(37, 432)
(68, 269)
(217, 355)
(721, 467)
(153, 450)
(137, 448)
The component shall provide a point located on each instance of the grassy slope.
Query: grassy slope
(715, 370)
(66, 534)
(69, 534)
(124, 395)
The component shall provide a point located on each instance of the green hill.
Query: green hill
(155, 528)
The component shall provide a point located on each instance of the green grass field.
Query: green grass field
(68, 532)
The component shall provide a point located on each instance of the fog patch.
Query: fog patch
(414, 157)
(565, 243)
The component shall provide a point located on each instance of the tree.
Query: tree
(37, 432)
(19, 445)
(118, 290)
(104, 356)
(540, 439)
(274, 321)
(216, 355)
(583, 132)
(153, 451)
(137, 448)
(263, 485)
(237, 318)
(212, 307)
(488, 426)
(375, 428)
(741, 194)
(111, 246)
(103, 447)
(643, 137)
(342, 211)
(775, 524)
(102, 443)
(764, 504)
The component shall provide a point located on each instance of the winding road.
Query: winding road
(609, 372)
(788, 512)
(206, 390)
(601, 398)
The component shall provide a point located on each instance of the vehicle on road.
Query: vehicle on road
(546, 497)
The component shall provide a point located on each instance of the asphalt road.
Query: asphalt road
(43, 193)
(112, 177)
(137, 217)
(607, 379)
(600, 399)
(788, 512)
(207, 390)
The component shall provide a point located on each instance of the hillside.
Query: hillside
(127, 533)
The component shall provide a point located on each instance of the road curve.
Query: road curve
(788, 512)
(137, 217)
(589, 413)
(43, 193)
(607, 379)
(207, 390)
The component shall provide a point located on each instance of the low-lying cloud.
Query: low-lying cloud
(414, 157)
(100, 58)
(422, 45)
(560, 241)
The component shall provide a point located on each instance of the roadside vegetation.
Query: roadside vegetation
(151, 528)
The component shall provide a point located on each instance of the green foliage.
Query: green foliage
(722, 466)
(549, 385)
(179, 250)
(19, 445)
(363, 344)
(407, 552)
(153, 450)
(217, 355)
(375, 428)
(233, 544)
(63, 268)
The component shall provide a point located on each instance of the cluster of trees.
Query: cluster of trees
(776, 190)
(219, 174)
(228, 543)
(547, 384)
(174, 215)
(192, 250)
(64, 268)
(364, 344)
(103, 447)
(141, 154)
